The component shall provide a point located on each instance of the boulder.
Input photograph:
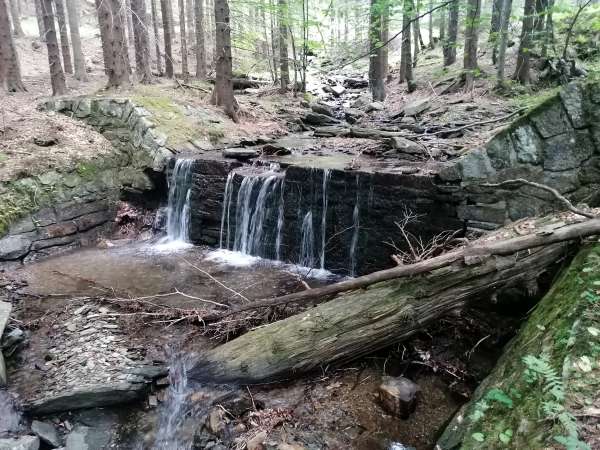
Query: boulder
(399, 396)
(375, 106)
(257, 442)
(353, 115)
(312, 118)
(46, 432)
(275, 150)
(15, 247)
(403, 145)
(361, 102)
(417, 107)
(22, 443)
(356, 83)
(88, 438)
(321, 108)
(336, 90)
(5, 309)
(240, 153)
(45, 141)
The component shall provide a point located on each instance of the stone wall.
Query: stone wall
(557, 144)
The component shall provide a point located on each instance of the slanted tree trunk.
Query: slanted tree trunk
(376, 83)
(223, 91)
(64, 35)
(495, 27)
(10, 70)
(283, 45)
(156, 37)
(406, 72)
(16, 20)
(200, 51)
(185, 73)
(114, 43)
(40, 19)
(471, 41)
(503, 41)
(522, 72)
(57, 76)
(380, 309)
(165, 10)
(141, 41)
(78, 58)
(451, 38)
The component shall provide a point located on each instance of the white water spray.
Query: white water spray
(325, 201)
(180, 187)
(308, 242)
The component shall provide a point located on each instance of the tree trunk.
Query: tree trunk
(189, 21)
(283, 45)
(471, 40)
(127, 11)
(64, 35)
(386, 307)
(78, 58)
(156, 37)
(443, 14)
(548, 39)
(57, 76)
(376, 83)
(385, 35)
(450, 44)
(274, 50)
(185, 73)
(16, 20)
(406, 72)
(40, 20)
(503, 41)
(165, 10)
(522, 73)
(416, 36)
(114, 43)
(10, 70)
(141, 41)
(495, 28)
(430, 26)
(223, 91)
(200, 51)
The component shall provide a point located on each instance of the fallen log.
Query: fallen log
(384, 307)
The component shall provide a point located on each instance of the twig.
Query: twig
(204, 272)
(481, 122)
(543, 187)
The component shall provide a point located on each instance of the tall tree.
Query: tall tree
(141, 41)
(451, 38)
(471, 41)
(40, 19)
(167, 14)
(548, 38)
(385, 35)
(64, 35)
(495, 27)
(283, 45)
(376, 83)
(522, 72)
(406, 68)
(184, 56)
(274, 50)
(78, 58)
(189, 21)
(156, 37)
(10, 70)
(114, 42)
(200, 52)
(57, 76)
(503, 41)
(223, 91)
(430, 26)
(416, 36)
(16, 20)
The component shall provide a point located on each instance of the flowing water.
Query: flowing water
(178, 213)
(325, 200)
(308, 242)
(355, 228)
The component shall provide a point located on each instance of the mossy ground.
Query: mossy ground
(510, 409)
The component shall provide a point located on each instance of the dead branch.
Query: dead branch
(480, 122)
(224, 286)
(562, 199)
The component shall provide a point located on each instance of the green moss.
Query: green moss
(558, 332)
(86, 170)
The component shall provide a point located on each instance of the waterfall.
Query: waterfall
(325, 201)
(355, 227)
(173, 413)
(308, 242)
(178, 214)
(257, 197)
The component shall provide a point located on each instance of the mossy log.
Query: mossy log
(359, 322)
(545, 390)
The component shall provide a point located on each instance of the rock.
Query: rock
(567, 151)
(361, 102)
(13, 338)
(240, 153)
(45, 141)
(46, 432)
(275, 150)
(551, 120)
(312, 118)
(215, 422)
(356, 83)
(321, 108)
(5, 309)
(257, 442)
(352, 115)
(336, 90)
(284, 446)
(398, 396)
(88, 438)
(15, 247)
(417, 107)
(572, 99)
(22, 443)
(375, 106)
(528, 144)
(88, 397)
(403, 145)
(240, 404)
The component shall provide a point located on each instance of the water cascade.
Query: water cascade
(355, 228)
(259, 199)
(325, 201)
(308, 242)
(178, 211)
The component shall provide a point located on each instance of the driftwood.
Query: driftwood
(385, 307)
(245, 83)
